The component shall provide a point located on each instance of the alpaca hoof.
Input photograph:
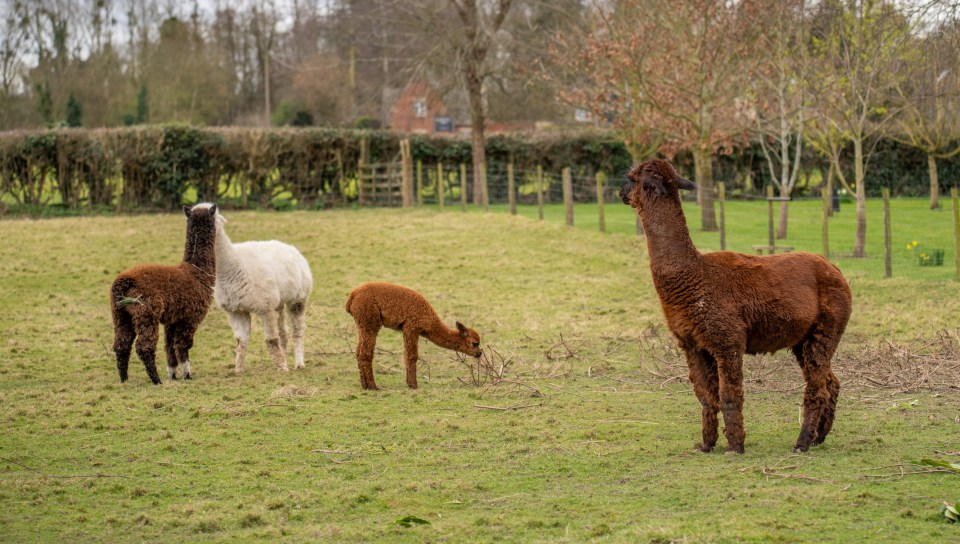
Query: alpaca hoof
(734, 449)
(187, 376)
(702, 448)
(156, 382)
(300, 366)
(800, 449)
(173, 376)
(283, 369)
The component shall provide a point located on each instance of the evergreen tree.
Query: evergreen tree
(74, 111)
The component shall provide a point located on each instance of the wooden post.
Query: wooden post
(440, 185)
(722, 194)
(463, 186)
(485, 187)
(406, 183)
(956, 230)
(540, 191)
(568, 195)
(887, 255)
(825, 218)
(601, 177)
(419, 183)
(770, 237)
(511, 189)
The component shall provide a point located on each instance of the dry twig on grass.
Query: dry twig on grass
(66, 476)
(773, 471)
(507, 408)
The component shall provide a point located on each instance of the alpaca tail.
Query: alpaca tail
(349, 301)
(119, 294)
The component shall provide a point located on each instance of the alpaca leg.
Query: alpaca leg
(730, 372)
(298, 322)
(123, 336)
(703, 376)
(170, 333)
(270, 319)
(281, 328)
(240, 323)
(820, 393)
(148, 333)
(826, 420)
(366, 345)
(183, 341)
(410, 355)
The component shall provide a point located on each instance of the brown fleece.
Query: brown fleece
(376, 305)
(177, 297)
(722, 305)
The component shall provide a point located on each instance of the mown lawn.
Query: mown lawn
(602, 453)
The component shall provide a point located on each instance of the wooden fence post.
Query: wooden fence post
(463, 186)
(722, 194)
(956, 230)
(825, 218)
(568, 195)
(419, 183)
(601, 177)
(511, 189)
(485, 187)
(440, 188)
(770, 238)
(887, 255)
(540, 191)
(406, 183)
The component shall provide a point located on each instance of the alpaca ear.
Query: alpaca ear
(654, 183)
(684, 183)
(213, 210)
(186, 211)
(461, 328)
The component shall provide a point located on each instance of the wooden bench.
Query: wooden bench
(760, 248)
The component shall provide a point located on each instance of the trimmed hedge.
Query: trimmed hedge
(159, 167)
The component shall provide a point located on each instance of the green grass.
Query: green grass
(606, 456)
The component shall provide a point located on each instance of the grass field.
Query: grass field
(598, 447)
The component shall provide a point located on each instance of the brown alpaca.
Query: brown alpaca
(145, 296)
(724, 304)
(376, 305)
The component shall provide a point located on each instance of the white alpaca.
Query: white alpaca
(263, 278)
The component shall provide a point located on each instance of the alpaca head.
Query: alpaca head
(469, 341)
(201, 230)
(650, 181)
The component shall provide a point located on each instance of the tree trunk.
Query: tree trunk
(703, 174)
(861, 193)
(934, 182)
(784, 211)
(477, 121)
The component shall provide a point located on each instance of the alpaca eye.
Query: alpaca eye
(476, 344)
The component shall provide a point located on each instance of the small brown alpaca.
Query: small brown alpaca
(145, 296)
(375, 305)
(722, 305)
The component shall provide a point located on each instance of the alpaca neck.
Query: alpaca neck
(443, 336)
(227, 259)
(673, 257)
(199, 252)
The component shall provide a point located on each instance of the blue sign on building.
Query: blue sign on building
(443, 124)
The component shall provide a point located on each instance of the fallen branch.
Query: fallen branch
(45, 475)
(505, 408)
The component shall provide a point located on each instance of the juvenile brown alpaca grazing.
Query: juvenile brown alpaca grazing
(144, 297)
(376, 305)
(724, 304)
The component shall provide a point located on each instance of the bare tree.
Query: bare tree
(780, 100)
(675, 75)
(479, 28)
(928, 98)
(860, 49)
